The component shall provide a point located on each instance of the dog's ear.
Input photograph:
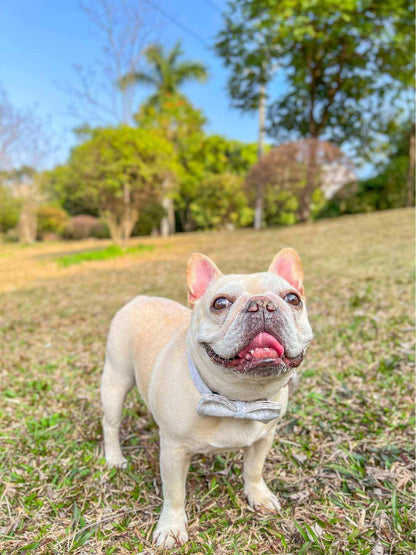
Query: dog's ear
(201, 271)
(287, 265)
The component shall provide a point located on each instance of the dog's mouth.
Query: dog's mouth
(264, 354)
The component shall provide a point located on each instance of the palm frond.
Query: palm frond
(175, 53)
(134, 77)
(190, 71)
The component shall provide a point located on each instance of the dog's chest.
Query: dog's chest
(230, 434)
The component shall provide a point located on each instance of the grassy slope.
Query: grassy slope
(342, 462)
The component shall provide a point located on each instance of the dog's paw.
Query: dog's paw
(116, 462)
(170, 532)
(260, 497)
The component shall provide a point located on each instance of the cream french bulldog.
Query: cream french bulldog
(215, 378)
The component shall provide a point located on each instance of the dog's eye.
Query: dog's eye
(221, 303)
(292, 298)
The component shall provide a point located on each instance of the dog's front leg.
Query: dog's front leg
(255, 488)
(174, 464)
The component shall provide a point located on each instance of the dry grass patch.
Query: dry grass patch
(343, 458)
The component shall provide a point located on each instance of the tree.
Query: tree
(24, 187)
(167, 73)
(282, 174)
(334, 60)
(123, 30)
(399, 64)
(249, 52)
(180, 123)
(25, 147)
(172, 114)
(201, 157)
(122, 169)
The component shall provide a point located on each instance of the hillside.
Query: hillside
(342, 461)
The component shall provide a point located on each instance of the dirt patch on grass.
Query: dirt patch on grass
(342, 462)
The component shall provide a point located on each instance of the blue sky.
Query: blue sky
(41, 40)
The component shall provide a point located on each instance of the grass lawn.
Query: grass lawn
(342, 462)
(112, 251)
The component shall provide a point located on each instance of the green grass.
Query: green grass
(113, 251)
(343, 461)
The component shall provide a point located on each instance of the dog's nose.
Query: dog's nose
(263, 303)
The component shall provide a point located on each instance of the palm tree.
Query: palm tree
(167, 73)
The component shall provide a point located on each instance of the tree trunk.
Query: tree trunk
(114, 227)
(258, 215)
(167, 224)
(410, 180)
(129, 221)
(171, 216)
(311, 179)
(28, 222)
(130, 215)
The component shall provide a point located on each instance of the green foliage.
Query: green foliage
(249, 51)
(115, 157)
(199, 155)
(280, 207)
(221, 201)
(122, 170)
(336, 57)
(166, 71)
(173, 114)
(202, 156)
(386, 190)
(9, 209)
(62, 185)
(149, 220)
(51, 219)
(382, 192)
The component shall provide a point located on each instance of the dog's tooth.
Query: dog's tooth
(252, 352)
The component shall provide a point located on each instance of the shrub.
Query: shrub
(221, 202)
(9, 209)
(100, 230)
(84, 226)
(149, 219)
(51, 221)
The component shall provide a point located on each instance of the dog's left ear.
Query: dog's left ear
(201, 271)
(287, 265)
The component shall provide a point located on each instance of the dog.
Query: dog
(215, 377)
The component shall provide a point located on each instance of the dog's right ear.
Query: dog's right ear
(201, 271)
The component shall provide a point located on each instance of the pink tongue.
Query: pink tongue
(263, 341)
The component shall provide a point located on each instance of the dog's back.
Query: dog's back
(138, 332)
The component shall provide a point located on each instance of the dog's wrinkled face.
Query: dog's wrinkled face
(250, 324)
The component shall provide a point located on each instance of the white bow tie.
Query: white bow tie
(214, 404)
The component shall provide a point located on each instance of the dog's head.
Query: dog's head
(255, 324)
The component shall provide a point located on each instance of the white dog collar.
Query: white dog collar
(214, 404)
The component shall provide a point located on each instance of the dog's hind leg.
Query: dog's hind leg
(115, 384)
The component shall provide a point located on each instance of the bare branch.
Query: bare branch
(124, 29)
(23, 137)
